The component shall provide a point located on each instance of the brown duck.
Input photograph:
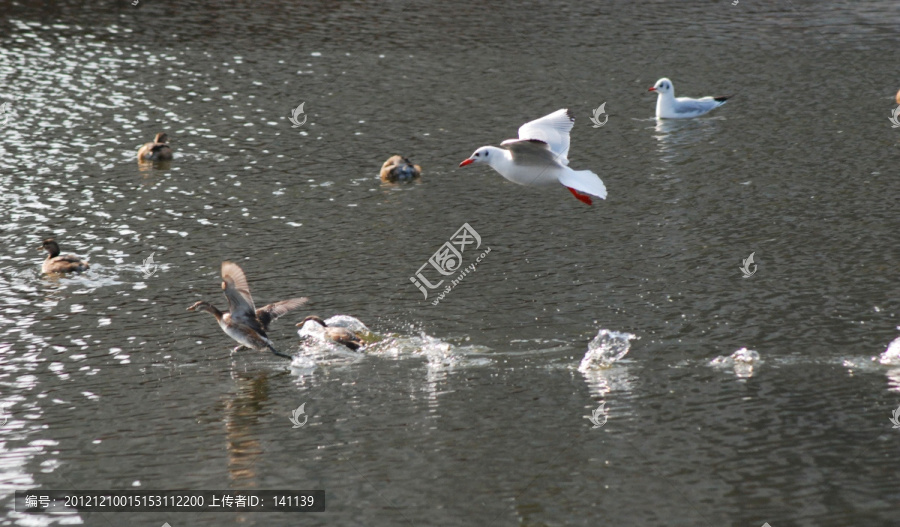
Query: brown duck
(399, 168)
(340, 335)
(244, 323)
(158, 150)
(60, 263)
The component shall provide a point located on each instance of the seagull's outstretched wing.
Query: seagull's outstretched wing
(552, 129)
(532, 153)
(237, 291)
(269, 313)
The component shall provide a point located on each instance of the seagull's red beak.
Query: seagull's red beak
(652, 89)
(467, 162)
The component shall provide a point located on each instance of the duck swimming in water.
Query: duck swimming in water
(399, 168)
(60, 263)
(158, 150)
(336, 334)
(244, 323)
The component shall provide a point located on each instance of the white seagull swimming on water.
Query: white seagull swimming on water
(539, 157)
(670, 107)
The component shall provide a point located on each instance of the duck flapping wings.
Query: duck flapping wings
(267, 314)
(240, 303)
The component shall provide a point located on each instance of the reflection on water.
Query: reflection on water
(893, 378)
(242, 412)
(149, 167)
(602, 382)
(676, 137)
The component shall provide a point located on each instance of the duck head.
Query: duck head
(405, 169)
(203, 305)
(161, 137)
(51, 247)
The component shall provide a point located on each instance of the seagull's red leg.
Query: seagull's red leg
(581, 196)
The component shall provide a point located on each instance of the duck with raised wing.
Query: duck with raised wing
(157, 150)
(60, 263)
(670, 107)
(539, 157)
(336, 334)
(243, 322)
(399, 168)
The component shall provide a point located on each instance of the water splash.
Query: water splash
(743, 361)
(312, 329)
(302, 365)
(316, 331)
(439, 354)
(891, 356)
(606, 348)
(348, 322)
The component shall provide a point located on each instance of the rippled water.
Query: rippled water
(472, 411)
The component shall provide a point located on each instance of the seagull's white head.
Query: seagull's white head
(663, 86)
(485, 154)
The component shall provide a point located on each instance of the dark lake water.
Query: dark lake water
(473, 411)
